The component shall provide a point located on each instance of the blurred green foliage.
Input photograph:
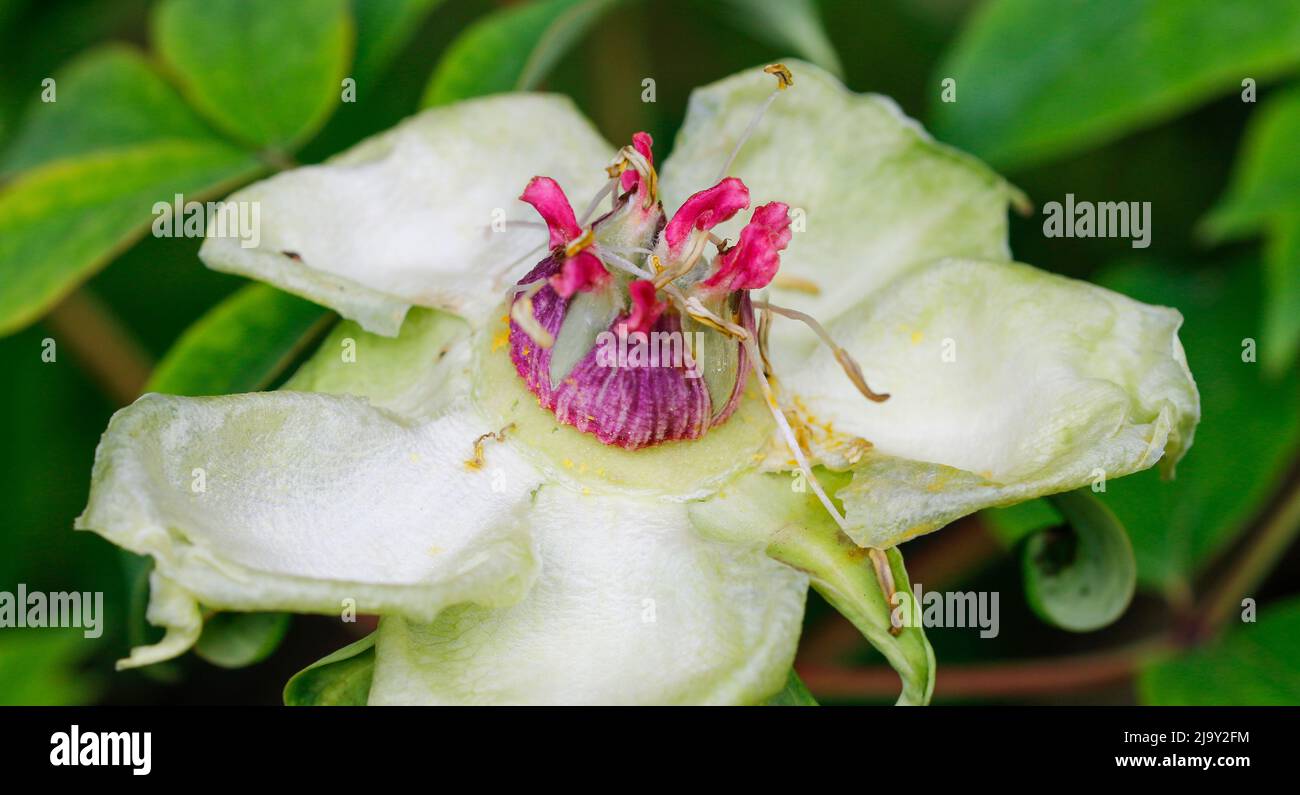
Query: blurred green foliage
(1245, 447)
(1110, 100)
(1253, 665)
(1049, 78)
(511, 50)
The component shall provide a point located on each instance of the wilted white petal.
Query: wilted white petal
(871, 195)
(1006, 382)
(310, 503)
(407, 217)
(630, 606)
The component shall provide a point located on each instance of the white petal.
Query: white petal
(876, 194)
(631, 606)
(297, 501)
(1006, 382)
(406, 217)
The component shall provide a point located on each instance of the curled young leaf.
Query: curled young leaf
(1080, 577)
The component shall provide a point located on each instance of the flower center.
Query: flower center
(639, 328)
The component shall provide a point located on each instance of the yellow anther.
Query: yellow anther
(797, 284)
(521, 312)
(629, 158)
(579, 243)
(497, 436)
(784, 78)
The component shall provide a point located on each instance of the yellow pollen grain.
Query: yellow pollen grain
(939, 483)
(917, 336)
(527, 350)
(568, 464)
(415, 458)
(500, 341)
(435, 550)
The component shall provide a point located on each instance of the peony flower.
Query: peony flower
(858, 362)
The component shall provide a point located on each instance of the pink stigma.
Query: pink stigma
(705, 210)
(643, 144)
(580, 273)
(547, 197)
(753, 261)
(645, 308)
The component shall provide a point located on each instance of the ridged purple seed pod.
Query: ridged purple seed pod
(632, 407)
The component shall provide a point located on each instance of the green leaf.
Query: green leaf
(1266, 178)
(39, 667)
(340, 680)
(62, 221)
(116, 139)
(764, 508)
(512, 49)
(793, 25)
(241, 345)
(1281, 338)
(1177, 527)
(383, 28)
(1265, 197)
(108, 98)
(1252, 665)
(794, 694)
(1036, 79)
(236, 640)
(269, 74)
(1080, 577)
(36, 38)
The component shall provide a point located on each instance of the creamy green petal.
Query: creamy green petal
(630, 606)
(871, 194)
(309, 503)
(407, 217)
(417, 374)
(1006, 383)
(172, 607)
